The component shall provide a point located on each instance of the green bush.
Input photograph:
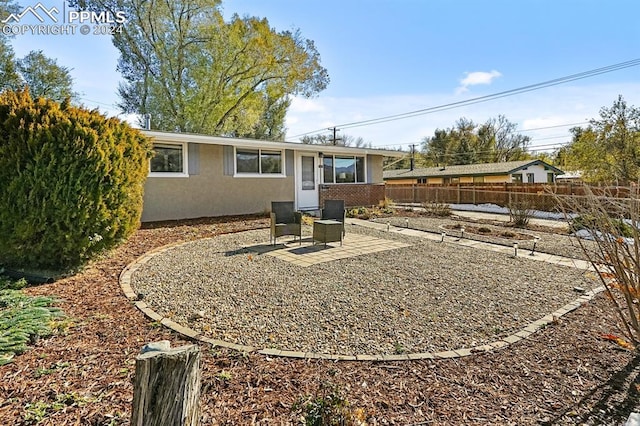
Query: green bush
(589, 222)
(520, 212)
(71, 183)
(436, 209)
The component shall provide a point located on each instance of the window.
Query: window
(530, 178)
(343, 169)
(258, 161)
(422, 180)
(516, 178)
(308, 173)
(478, 179)
(551, 177)
(168, 160)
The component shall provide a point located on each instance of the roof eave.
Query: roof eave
(256, 143)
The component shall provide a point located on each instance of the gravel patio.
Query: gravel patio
(424, 297)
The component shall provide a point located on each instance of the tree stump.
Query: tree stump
(167, 386)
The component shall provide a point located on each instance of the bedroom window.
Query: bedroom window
(168, 160)
(258, 161)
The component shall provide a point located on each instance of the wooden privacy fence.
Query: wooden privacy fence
(537, 196)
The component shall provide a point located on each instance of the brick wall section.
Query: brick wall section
(354, 195)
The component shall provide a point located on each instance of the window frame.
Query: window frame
(356, 171)
(185, 160)
(259, 173)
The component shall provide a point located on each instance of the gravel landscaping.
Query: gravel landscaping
(423, 298)
(550, 242)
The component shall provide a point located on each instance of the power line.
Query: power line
(554, 127)
(486, 98)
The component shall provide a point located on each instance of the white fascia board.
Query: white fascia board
(257, 144)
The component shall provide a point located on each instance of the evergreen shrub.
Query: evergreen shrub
(71, 183)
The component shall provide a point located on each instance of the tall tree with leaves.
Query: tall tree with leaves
(194, 72)
(494, 141)
(608, 150)
(344, 140)
(44, 77)
(501, 142)
(9, 77)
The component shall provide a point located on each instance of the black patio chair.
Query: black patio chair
(285, 221)
(334, 209)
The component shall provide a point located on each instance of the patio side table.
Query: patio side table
(327, 231)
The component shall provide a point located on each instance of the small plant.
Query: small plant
(359, 212)
(39, 410)
(484, 230)
(507, 234)
(387, 203)
(23, 320)
(41, 371)
(329, 408)
(437, 209)
(224, 376)
(520, 212)
(6, 283)
(398, 348)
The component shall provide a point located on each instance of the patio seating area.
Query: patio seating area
(308, 253)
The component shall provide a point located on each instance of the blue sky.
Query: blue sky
(390, 57)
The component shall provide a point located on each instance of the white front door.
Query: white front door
(307, 181)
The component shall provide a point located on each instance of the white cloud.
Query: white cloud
(475, 78)
(305, 105)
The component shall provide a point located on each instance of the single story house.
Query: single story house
(192, 176)
(570, 177)
(526, 171)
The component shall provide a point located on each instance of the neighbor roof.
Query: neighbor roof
(482, 169)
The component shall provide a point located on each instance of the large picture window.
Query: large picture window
(258, 161)
(343, 169)
(168, 160)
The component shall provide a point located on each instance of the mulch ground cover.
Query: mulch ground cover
(565, 374)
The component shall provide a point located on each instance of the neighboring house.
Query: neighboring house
(195, 176)
(527, 171)
(570, 177)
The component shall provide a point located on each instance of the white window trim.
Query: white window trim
(366, 177)
(185, 162)
(237, 174)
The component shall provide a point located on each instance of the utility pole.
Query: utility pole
(412, 160)
(334, 140)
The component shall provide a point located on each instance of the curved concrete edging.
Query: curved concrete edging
(524, 333)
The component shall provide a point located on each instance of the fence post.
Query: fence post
(167, 386)
(473, 193)
(458, 193)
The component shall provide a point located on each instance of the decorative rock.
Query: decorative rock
(162, 345)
